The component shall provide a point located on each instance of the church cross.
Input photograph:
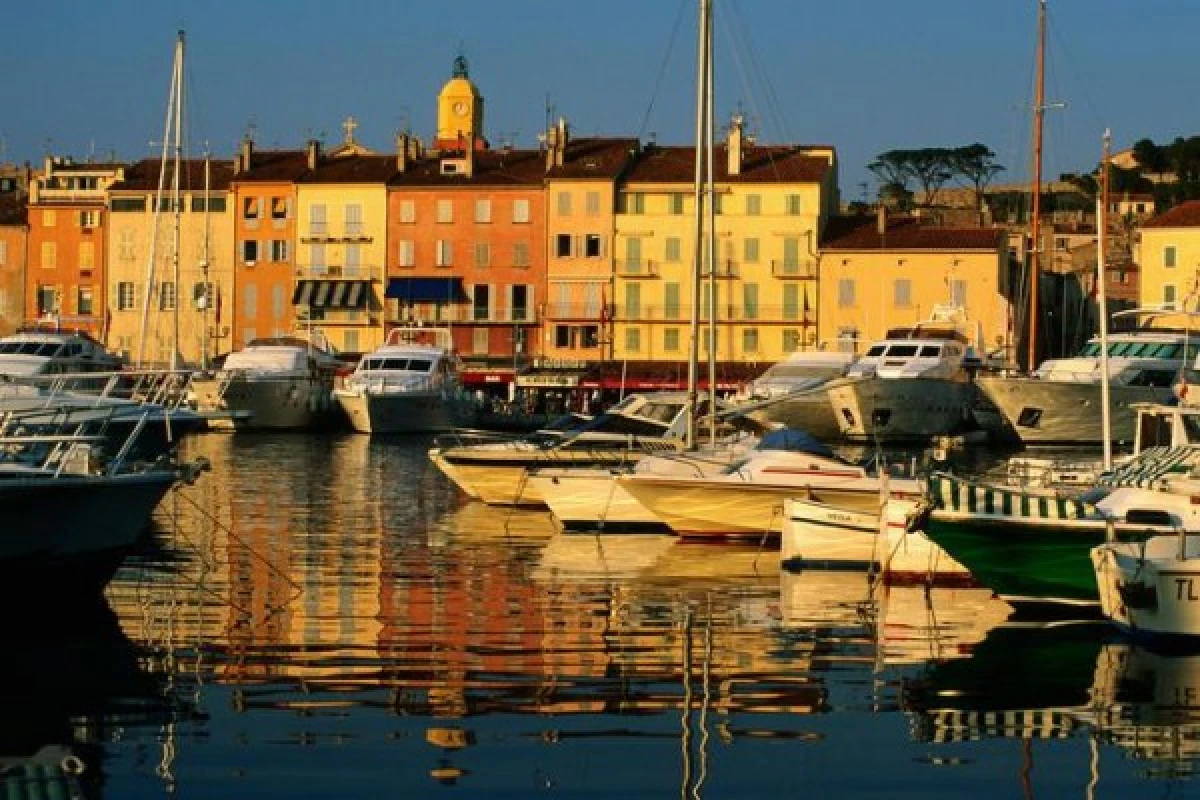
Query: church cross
(348, 126)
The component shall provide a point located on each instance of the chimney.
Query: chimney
(551, 146)
(247, 153)
(881, 220)
(734, 150)
(48, 167)
(314, 153)
(402, 152)
(560, 151)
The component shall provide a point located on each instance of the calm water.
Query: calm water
(328, 617)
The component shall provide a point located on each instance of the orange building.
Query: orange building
(467, 248)
(65, 274)
(264, 203)
(14, 235)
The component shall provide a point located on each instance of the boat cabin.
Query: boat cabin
(1135, 358)
(800, 371)
(410, 359)
(1161, 425)
(280, 356)
(33, 352)
(931, 354)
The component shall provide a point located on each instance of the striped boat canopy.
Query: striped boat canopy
(1152, 465)
(954, 494)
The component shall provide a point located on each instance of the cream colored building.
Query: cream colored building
(1169, 257)
(877, 274)
(140, 239)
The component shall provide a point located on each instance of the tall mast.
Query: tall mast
(702, 52)
(1039, 115)
(711, 210)
(1102, 299)
(204, 264)
(177, 202)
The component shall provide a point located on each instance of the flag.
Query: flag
(218, 306)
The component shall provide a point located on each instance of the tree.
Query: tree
(931, 168)
(891, 168)
(975, 163)
(1149, 156)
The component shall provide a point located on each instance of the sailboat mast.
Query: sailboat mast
(1039, 116)
(702, 52)
(1102, 299)
(711, 210)
(177, 203)
(204, 264)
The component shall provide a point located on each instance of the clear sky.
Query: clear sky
(863, 75)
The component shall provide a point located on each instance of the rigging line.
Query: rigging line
(758, 72)
(662, 67)
(735, 47)
(1060, 46)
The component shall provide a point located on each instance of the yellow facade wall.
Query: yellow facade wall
(1170, 269)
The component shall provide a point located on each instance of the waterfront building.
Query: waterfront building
(882, 273)
(341, 250)
(1169, 257)
(581, 193)
(139, 236)
(772, 203)
(14, 237)
(263, 191)
(65, 274)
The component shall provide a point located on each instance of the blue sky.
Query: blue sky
(863, 75)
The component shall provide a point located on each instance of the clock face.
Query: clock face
(460, 108)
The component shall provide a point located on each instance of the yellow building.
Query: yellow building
(341, 252)
(1169, 257)
(137, 235)
(772, 203)
(878, 273)
(460, 111)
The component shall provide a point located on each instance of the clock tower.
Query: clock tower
(460, 111)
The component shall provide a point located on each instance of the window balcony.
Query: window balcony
(794, 270)
(637, 268)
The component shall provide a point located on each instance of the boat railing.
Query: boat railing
(467, 437)
(167, 388)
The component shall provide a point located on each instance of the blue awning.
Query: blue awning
(427, 290)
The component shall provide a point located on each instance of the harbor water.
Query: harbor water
(326, 616)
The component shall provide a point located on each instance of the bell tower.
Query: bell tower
(460, 110)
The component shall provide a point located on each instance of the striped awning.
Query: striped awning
(954, 494)
(332, 294)
(1152, 465)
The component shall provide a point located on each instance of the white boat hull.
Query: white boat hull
(1150, 588)
(900, 409)
(590, 499)
(419, 411)
(294, 403)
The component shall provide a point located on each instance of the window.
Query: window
(750, 340)
(89, 219)
(47, 300)
(671, 339)
(562, 336)
(317, 257)
(562, 245)
(249, 251)
(791, 301)
(520, 254)
(633, 254)
(564, 204)
(791, 255)
(1169, 256)
(352, 215)
(635, 203)
(591, 202)
(671, 300)
(483, 254)
(519, 304)
(718, 201)
(675, 203)
(49, 255)
(590, 335)
(1062, 243)
(593, 246)
(84, 301)
(753, 204)
(125, 300)
(902, 293)
(277, 301)
(672, 253)
(792, 204)
(591, 300)
(1169, 296)
(750, 300)
(479, 341)
(166, 296)
(562, 306)
(407, 254)
(279, 207)
(200, 295)
(791, 340)
(633, 339)
(349, 340)
(445, 253)
(316, 219)
(958, 293)
(215, 205)
(353, 261)
(250, 301)
(633, 300)
(49, 218)
(250, 207)
(408, 211)
(445, 211)
(279, 250)
(127, 204)
(846, 292)
(521, 210)
(483, 210)
(750, 250)
(481, 302)
(87, 255)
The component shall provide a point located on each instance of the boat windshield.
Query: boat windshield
(902, 351)
(931, 351)
(45, 349)
(397, 364)
(876, 350)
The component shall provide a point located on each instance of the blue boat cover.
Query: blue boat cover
(795, 441)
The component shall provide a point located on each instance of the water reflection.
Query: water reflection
(320, 614)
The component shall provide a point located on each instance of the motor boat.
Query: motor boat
(792, 392)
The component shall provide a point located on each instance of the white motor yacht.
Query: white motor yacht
(271, 384)
(409, 385)
(792, 392)
(1060, 402)
(38, 352)
(913, 385)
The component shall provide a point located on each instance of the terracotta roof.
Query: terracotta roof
(275, 165)
(595, 158)
(143, 176)
(766, 164)
(491, 168)
(859, 233)
(351, 169)
(13, 209)
(1185, 215)
(88, 166)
